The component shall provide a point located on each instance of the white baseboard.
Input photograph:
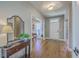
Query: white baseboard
(55, 39)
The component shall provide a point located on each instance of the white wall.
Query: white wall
(75, 26)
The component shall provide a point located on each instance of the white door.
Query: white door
(54, 29)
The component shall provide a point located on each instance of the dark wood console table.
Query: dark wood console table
(17, 47)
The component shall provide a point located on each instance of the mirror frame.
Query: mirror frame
(13, 19)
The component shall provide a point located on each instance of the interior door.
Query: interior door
(54, 29)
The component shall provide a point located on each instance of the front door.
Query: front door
(54, 29)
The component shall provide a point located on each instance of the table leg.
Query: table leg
(25, 52)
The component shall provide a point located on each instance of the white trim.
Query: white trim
(31, 33)
(55, 39)
(43, 22)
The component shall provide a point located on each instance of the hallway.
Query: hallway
(49, 49)
(53, 25)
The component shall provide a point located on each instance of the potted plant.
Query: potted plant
(24, 36)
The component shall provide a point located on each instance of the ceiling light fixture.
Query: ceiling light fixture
(51, 6)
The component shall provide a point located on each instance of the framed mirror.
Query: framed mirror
(17, 25)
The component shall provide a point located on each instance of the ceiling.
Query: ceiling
(42, 7)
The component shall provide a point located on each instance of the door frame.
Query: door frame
(64, 28)
(43, 25)
(50, 28)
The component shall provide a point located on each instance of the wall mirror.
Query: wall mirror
(17, 25)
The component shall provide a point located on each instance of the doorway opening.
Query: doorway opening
(36, 29)
(56, 30)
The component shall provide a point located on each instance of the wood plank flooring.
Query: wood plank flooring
(49, 49)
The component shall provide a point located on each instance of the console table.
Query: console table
(16, 47)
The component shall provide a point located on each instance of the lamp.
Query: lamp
(7, 29)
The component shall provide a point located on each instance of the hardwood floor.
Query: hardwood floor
(49, 49)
